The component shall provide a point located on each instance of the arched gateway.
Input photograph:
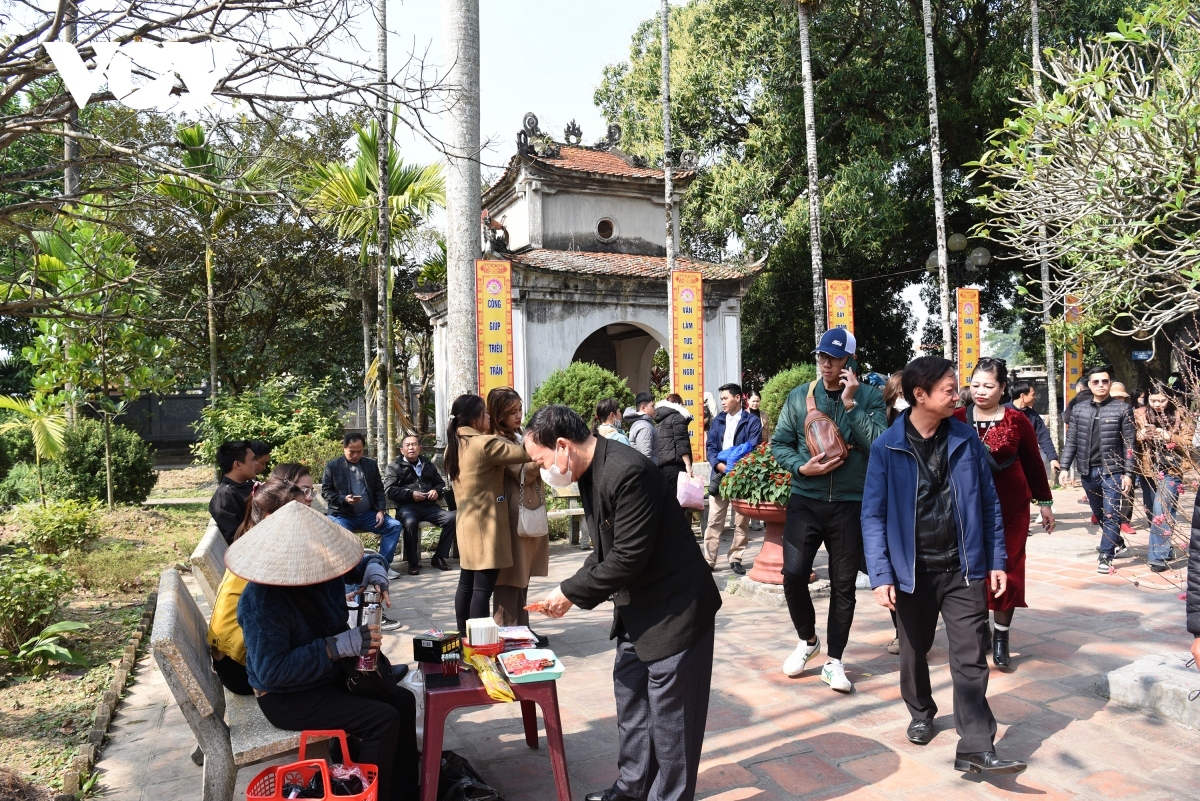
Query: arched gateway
(583, 228)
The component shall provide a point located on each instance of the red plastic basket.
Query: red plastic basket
(268, 785)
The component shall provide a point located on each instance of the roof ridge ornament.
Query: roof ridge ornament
(533, 141)
(573, 134)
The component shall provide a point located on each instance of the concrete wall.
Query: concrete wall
(569, 223)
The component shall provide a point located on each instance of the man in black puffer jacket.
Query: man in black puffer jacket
(1100, 444)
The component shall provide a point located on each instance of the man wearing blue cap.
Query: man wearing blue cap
(826, 503)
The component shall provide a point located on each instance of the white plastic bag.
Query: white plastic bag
(690, 492)
(415, 684)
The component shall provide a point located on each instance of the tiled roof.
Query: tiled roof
(626, 264)
(601, 162)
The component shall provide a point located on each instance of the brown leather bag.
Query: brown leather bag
(821, 433)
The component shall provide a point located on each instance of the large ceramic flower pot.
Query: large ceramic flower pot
(768, 566)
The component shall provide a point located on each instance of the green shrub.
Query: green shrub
(59, 526)
(31, 591)
(308, 449)
(81, 465)
(21, 484)
(275, 412)
(15, 445)
(776, 390)
(581, 385)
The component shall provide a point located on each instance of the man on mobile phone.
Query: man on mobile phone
(353, 491)
(826, 503)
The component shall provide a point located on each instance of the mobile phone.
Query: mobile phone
(354, 498)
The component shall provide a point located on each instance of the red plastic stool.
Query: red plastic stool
(440, 701)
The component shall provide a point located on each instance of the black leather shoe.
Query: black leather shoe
(414, 570)
(611, 794)
(920, 732)
(736, 567)
(987, 762)
(439, 563)
(1000, 648)
(542, 640)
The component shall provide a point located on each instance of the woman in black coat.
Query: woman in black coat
(671, 420)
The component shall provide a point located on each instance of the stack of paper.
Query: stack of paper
(517, 638)
(482, 631)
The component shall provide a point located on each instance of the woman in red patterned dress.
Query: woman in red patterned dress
(1017, 469)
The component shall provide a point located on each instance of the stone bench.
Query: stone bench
(579, 532)
(208, 561)
(231, 731)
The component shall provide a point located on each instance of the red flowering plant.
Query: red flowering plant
(758, 478)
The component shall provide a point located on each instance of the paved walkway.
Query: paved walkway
(772, 738)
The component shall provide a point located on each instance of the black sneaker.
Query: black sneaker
(1159, 567)
(1104, 564)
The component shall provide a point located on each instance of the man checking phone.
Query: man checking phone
(826, 503)
(353, 491)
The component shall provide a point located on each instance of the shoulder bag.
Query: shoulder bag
(821, 433)
(532, 522)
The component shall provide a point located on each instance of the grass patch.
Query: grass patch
(188, 482)
(43, 722)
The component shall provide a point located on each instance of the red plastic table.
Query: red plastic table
(440, 701)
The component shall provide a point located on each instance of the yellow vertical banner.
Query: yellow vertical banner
(968, 333)
(493, 316)
(839, 304)
(1073, 358)
(687, 350)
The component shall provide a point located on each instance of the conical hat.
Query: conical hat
(294, 547)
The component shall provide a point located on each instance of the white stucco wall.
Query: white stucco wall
(569, 221)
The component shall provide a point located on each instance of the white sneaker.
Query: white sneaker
(834, 674)
(794, 665)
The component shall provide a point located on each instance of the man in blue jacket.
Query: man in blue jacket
(934, 543)
(731, 427)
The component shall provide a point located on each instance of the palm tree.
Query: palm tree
(805, 9)
(939, 203)
(47, 427)
(344, 196)
(212, 193)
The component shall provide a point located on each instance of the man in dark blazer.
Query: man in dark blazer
(353, 491)
(416, 486)
(665, 601)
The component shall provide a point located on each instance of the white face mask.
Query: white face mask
(558, 478)
(900, 404)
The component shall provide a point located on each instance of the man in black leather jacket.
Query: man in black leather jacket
(415, 486)
(1100, 443)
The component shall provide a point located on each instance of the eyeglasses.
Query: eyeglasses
(1100, 381)
(307, 492)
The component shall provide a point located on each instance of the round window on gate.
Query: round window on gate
(606, 230)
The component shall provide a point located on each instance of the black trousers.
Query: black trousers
(473, 598)
(412, 516)
(838, 526)
(385, 734)
(232, 675)
(964, 608)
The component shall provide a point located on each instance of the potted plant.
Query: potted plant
(759, 488)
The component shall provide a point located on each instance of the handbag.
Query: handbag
(690, 492)
(821, 433)
(533, 522)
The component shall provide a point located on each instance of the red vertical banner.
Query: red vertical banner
(687, 350)
(968, 333)
(493, 316)
(1073, 357)
(839, 304)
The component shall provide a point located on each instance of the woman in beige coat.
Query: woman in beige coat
(475, 463)
(522, 486)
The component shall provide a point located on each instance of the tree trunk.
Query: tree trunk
(70, 143)
(668, 186)
(814, 193)
(108, 476)
(460, 52)
(939, 205)
(385, 451)
(210, 287)
(1051, 366)
(368, 323)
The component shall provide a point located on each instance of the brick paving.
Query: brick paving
(771, 737)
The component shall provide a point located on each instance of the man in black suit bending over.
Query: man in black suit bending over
(646, 561)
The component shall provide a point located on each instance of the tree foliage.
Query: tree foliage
(581, 385)
(1107, 162)
(737, 101)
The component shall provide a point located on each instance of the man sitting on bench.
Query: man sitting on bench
(353, 491)
(415, 486)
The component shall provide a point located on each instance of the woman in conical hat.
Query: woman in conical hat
(293, 616)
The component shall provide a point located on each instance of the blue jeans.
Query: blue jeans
(1106, 499)
(389, 532)
(1166, 503)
